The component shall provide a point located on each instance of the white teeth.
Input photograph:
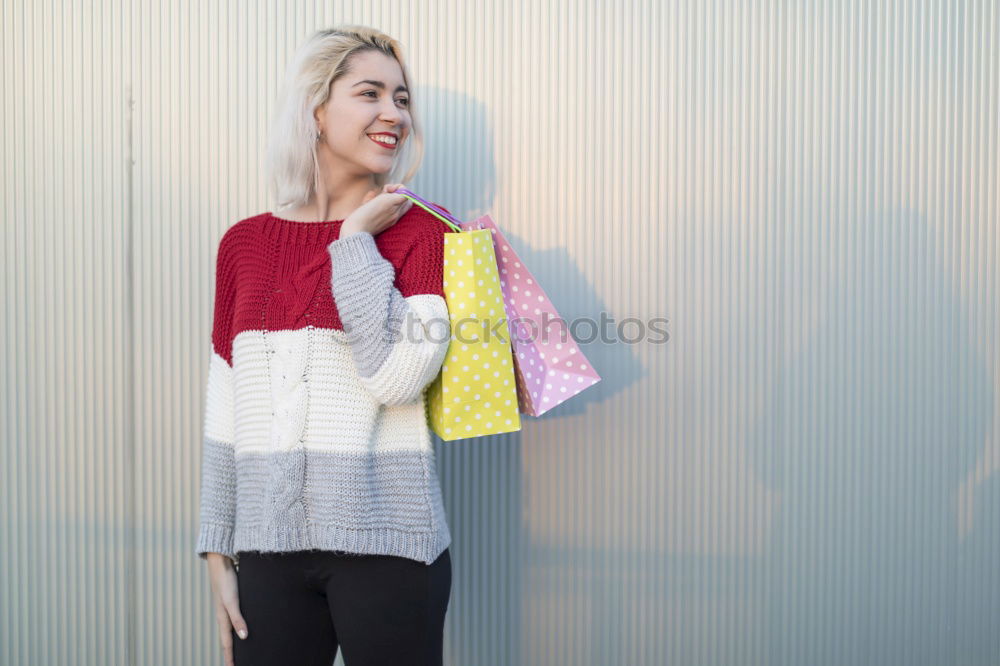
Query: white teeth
(391, 140)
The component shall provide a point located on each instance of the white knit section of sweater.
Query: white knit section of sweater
(416, 358)
(219, 424)
(308, 379)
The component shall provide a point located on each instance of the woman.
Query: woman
(321, 514)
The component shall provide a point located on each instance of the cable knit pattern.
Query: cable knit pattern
(315, 426)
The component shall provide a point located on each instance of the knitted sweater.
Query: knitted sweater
(315, 432)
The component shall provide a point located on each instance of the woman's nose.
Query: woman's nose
(391, 114)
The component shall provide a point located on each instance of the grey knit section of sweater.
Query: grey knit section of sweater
(218, 504)
(386, 502)
(371, 308)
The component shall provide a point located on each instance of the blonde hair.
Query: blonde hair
(291, 165)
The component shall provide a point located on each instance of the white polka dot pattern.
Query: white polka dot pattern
(475, 393)
(550, 369)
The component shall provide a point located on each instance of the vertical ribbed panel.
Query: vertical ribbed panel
(806, 473)
(67, 408)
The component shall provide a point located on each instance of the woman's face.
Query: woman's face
(371, 99)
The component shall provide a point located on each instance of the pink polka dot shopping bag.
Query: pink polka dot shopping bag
(548, 366)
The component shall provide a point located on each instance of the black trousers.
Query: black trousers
(379, 609)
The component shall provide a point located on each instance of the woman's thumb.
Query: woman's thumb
(369, 196)
(236, 619)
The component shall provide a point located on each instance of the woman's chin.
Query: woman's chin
(380, 166)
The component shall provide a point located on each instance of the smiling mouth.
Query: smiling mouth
(383, 141)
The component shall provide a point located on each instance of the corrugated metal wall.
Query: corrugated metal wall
(806, 473)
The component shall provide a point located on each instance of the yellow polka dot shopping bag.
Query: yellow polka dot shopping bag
(475, 393)
(549, 366)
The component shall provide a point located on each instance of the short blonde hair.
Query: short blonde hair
(291, 166)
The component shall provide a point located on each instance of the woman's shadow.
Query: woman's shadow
(871, 429)
(482, 477)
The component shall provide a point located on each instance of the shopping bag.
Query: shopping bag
(548, 363)
(475, 393)
(549, 366)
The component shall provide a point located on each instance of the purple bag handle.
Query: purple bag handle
(451, 221)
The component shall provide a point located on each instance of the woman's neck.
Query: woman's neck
(338, 194)
(336, 208)
(307, 213)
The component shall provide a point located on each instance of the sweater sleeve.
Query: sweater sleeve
(398, 336)
(218, 464)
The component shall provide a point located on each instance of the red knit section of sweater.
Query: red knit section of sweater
(273, 274)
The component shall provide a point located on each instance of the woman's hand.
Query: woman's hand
(225, 594)
(377, 212)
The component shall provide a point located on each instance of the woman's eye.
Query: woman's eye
(404, 100)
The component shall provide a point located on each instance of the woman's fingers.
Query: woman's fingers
(229, 618)
(383, 214)
(225, 585)
(225, 635)
(235, 617)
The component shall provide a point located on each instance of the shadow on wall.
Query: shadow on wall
(459, 159)
(482, 477)
(872, 428)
